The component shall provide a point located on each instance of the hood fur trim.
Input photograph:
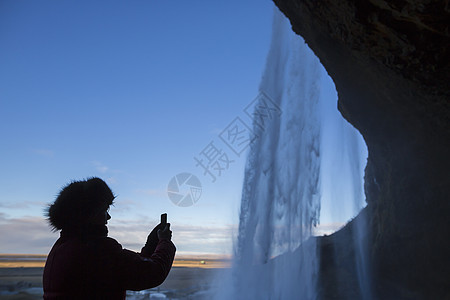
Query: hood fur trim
(77, 202)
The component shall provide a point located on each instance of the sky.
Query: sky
(130, 92)
(136, 93)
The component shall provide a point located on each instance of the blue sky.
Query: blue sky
(129, 92)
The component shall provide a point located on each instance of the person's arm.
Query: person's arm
(148, 272)
(152, 242)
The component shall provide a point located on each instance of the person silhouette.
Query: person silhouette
(84, 263)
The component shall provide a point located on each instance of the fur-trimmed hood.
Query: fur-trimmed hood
(77, 202)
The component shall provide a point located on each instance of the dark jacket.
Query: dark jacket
(97, 267)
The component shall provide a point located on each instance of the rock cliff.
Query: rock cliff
(390, 63)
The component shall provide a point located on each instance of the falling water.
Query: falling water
(305, 167)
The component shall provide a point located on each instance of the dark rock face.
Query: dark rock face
(390, 63)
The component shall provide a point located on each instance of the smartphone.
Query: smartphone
(164, 219)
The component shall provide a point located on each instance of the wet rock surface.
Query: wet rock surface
(390, 63)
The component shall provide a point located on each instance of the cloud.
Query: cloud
(23, 205)
(111, 180)
(100, 167)
(151, 192)
(33, 235)
(327, 229)
(187, 238)
(44, 152)
(25, 235)
(122, 207)
(111, 176)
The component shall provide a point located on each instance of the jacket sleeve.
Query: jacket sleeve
(139, 273)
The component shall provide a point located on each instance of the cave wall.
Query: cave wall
(390, 65)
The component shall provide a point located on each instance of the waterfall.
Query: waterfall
(304, 167)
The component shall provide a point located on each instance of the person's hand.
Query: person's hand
(152, 241)
(166, 233)
(152, 238)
